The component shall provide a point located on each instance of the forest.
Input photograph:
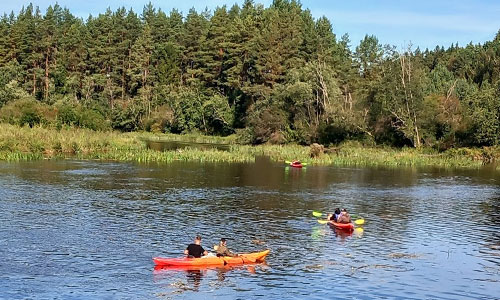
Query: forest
(266, 74)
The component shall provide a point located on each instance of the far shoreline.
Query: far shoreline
(25, 143)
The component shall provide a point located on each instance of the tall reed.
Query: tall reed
(24, 143)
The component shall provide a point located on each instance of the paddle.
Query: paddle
(317, 214)
(359, 221)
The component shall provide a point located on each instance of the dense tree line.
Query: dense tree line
(272, 74)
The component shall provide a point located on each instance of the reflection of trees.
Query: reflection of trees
(490, 209)
(247, 200)
(264, 191)
(44, 171)
(262, 174)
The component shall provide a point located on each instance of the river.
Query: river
(88, 229)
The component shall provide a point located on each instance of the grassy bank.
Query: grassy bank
(23, 143)
(190, 138)
(354, 154)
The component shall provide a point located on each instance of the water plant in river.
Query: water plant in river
(25, 143)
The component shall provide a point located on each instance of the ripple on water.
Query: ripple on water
(89, 230)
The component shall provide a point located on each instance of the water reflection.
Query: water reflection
(67, 225)
(194, 275)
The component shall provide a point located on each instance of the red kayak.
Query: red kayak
(244, 258)
(342, 226)
(296, 164)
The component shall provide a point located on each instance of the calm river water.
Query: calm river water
(88, 230)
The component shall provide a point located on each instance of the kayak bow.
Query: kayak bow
(343, 226)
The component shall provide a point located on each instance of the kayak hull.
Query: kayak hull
(244, 258)
(342, 226)
(296, 165)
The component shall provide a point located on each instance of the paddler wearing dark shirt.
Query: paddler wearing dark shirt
(195, 249)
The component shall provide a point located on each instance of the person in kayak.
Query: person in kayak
(335, 215)
(195, 249)
(344, 217)
(222, 250)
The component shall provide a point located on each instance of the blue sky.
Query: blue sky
(423, 23)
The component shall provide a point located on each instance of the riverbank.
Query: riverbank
(24, 143)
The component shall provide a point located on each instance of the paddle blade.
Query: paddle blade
(317, 214)
(358, 231)
(287, 162)
(322, 221)
(304, 164)
(359, 221)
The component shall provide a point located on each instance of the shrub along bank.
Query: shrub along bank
(25, 143)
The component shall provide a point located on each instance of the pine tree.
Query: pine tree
(141, 67)
(193, 38)
(49, 43)
(25, 47)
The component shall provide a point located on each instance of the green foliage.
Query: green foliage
(401, 95)
(83, 117)
(159, 119)
(273, 74)
(127, 118)
(67, 115)
(369, 54)
(27, 112)
(29, 116)
(92, 119)
(219, 115)
(9, 88)
(441, 80)
(187, 107)
(483, 109)
(267, 123)
(37, 143)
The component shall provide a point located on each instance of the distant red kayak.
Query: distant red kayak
(342, 226)
(255, 257)
(296, 164)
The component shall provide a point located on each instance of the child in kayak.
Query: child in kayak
(222, 250)
(195, 249)
(344, 217)
(335, 215)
